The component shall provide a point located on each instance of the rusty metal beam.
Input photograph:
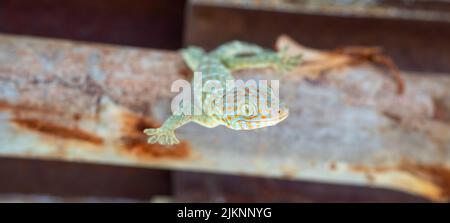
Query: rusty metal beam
(90, 102)
(74, 179)
(210, 187)
(415, 35)
(435, 10)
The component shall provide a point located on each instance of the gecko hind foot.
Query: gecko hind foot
(286, 63)
(161, 136)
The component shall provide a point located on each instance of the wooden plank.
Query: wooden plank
(89, 103)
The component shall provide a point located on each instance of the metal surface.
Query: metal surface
(416, 9)
(89, 103)
(415, 43)
(156, 23)
(80, 180)
(210, 187)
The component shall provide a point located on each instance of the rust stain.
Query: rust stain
(288, 176)
(437, 174)
(393, 117)
(288, 172)
(4, 105)
(77, 117)
(134, 125)
(22, 107)
(139, 147)
(186, 73)
(25, 109)
(441, 110)
(333, 166)
(375, 55)
(370, 178)
(340, 58)
(134, 141)
(360, 168)
(366, 169)
(58, 131)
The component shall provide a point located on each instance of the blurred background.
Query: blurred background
(415, 33)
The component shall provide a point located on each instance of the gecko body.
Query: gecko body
(217, 66)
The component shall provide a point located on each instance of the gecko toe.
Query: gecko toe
(150, 131)
(152, 139)
(163, 140)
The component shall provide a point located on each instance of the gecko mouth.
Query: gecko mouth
(277, 118)
(283, 117)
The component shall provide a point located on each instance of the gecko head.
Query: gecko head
(252, 113)
(251, 117)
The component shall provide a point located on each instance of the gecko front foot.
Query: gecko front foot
(161, 136)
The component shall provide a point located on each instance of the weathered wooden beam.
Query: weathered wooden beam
(90, 102)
